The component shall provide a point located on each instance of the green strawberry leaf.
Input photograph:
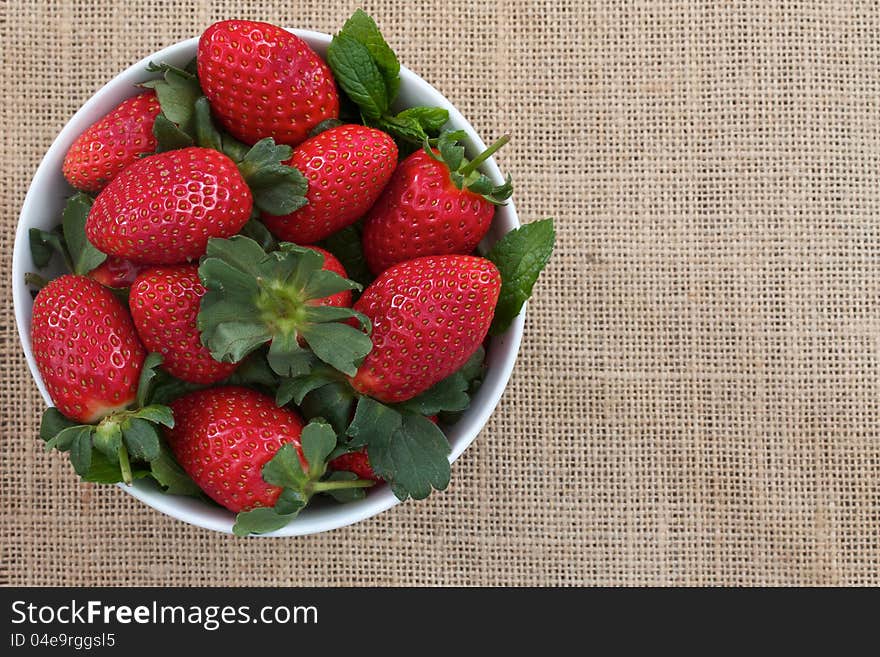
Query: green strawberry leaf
(177, 92)
(372, 420)
(147, 380)
(44, 244)
(83, 255)
(255, 371)
(347, 246)
(257, 231)
(520, 256)
(170, 476)
(278, 189)
(106, 471)
(284, 469)
(81, 449)
(157, 414)
(254, 298)
(318, 439)
(333, 402)
(260, 521)
(141, 439)
(450, 394)
(407, 450)
(295, 389)
(325, 125)
(206, 134)
(168, 136)
(52, 423)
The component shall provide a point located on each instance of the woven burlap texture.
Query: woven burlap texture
(696, 399)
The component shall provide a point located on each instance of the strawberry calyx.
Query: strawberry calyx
(254, 298)
(299, 480)
(124, 445)
(464, 173)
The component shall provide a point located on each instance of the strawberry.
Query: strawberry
(436, 203)
(357, 462)
(429, 316)
(347, 168)
(112, 143)
(223, 436)
(263, 81)
(86, 348)
(164, 304)
(116, 272)
(163, 209)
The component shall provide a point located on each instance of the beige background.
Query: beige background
(696, 400)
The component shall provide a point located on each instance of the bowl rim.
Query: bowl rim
(195, 512)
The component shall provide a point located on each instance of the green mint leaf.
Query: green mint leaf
(156, 413)
(338, 345)
(52, 423)
(430, 119)
(81, 450)
(149, 370)
(44, 244)
(325, 125)
(108, 440)
(413, 459)
(83, 255)
(141, 439)
(334, 402)
(318, 439)
(363, 29)
(346, 245)
(344, 495)
(520, 257)
(285, 469)
(259, 521)
(170, 476)
(168, 136)
(373, 422)
(207, 135)
(358, 75)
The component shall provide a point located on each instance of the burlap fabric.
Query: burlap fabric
(696, 400)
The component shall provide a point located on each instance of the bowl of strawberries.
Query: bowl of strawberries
(270, 282)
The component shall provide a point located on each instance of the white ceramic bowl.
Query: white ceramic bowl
(42, 209)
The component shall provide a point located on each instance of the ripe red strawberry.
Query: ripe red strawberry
(164, 304)
(263, 81)
(357, 462)
(223, 436)
(112, 143)
(86, 348)
(163, 209)
(347, 168)
(435, 204)
(429, 316)
(331, 263)
(116, 272)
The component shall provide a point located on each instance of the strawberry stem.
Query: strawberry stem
(321, 486)
(485, 155)
(124, 465)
